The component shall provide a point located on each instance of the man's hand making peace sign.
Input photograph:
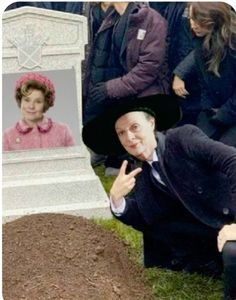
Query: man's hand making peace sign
(123, 184)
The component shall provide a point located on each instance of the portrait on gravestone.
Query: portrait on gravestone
(29, 124)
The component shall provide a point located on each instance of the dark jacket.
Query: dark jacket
(187, 67)
(95, 16)
(201, 178)
(104, 64)
(100, 63)
(216, 92)
(219, 92)
(143, 55)
(184, 45)
(174, 15)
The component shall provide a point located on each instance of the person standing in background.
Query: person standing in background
(214, 59)
(128, 58)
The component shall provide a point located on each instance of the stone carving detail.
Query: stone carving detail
(29, 46)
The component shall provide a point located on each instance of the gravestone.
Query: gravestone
(58, 180)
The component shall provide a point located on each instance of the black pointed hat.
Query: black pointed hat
(99, 133)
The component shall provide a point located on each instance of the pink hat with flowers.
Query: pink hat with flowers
(39, 78)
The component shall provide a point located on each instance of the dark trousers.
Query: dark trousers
(183, 245)
(229, 262)
(192, 247)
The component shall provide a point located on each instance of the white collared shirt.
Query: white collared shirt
(154, 171)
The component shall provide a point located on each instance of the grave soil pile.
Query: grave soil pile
(64, 257)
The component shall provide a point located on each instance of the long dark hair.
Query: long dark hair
(220, 20)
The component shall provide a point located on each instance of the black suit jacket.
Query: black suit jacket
(201, 176)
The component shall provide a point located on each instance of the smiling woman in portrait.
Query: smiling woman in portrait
(35, 94)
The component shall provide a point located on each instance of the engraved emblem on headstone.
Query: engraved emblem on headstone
(29, 47)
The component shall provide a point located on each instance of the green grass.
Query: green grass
(166, 285)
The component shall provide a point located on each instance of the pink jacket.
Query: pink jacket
(47, 134)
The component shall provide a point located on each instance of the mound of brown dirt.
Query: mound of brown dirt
(56, 256)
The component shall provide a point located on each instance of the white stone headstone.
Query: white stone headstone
(58, 180)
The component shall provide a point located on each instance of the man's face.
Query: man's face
(136, 134)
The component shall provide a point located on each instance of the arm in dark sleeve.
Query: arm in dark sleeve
(186, 68)
(145, 72)
(215, 155)
(131, 215)
(226, 114)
